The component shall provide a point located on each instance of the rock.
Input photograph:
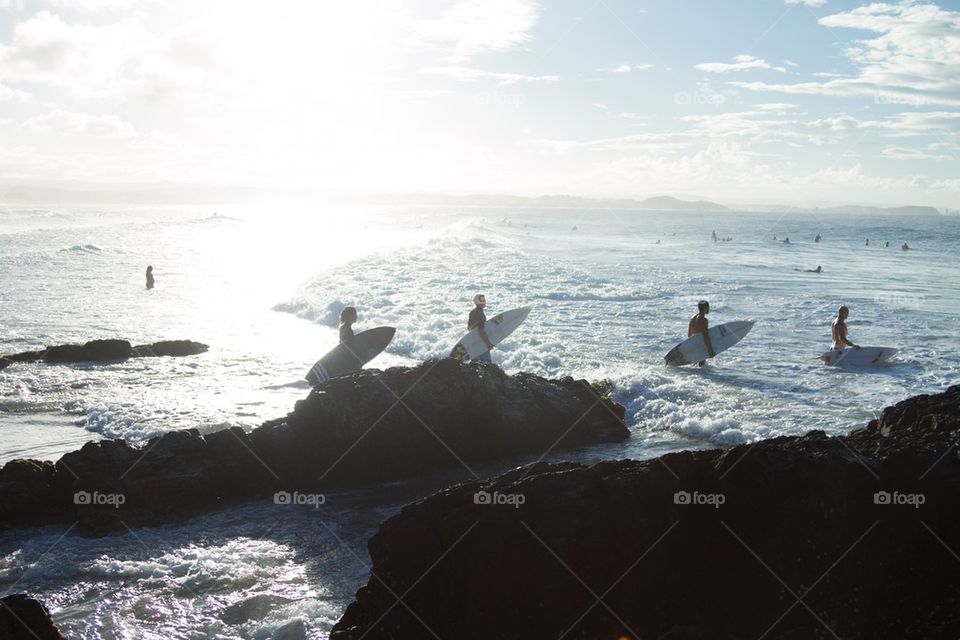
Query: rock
(169, 348)
(105, 351)
(799, 537)
(23, 618)
(93, 351)
(369, 427)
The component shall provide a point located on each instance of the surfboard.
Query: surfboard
(862, 357)
(498, 327)
(722, 336)
(340, 361)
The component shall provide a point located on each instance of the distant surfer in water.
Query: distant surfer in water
(150, 277)
(347, 317)
(479, 319)
(839, 330)
(700, 324)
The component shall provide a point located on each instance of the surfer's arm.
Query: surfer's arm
(486, 339)
(704, 328)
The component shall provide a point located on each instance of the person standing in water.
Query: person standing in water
(149, 276)
(839, 331)
(700, 324)
(478, 319)
(347, 317)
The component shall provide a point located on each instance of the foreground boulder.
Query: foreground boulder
(369, 427)
(105, 351)
(23, 618)
(801, 537)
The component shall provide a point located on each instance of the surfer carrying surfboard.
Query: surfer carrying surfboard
(839, 330)
(347, 317)
(700, 324)
(478, 319)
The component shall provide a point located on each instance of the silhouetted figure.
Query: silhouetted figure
(817, 239)
(905, 247)
(868, 243)
(478, 318)
(786, 241)
(150, 277)
(887, 244)
(347, 317)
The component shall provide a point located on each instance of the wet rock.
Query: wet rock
(370, 427)
(105, 351)
(799, 537)
(23, 618)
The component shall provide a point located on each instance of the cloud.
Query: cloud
(60, 121)
(809, 3)
(623, 68)
(742, 62)
(470, 27)
(915, 58)
(16, 5)
(8, 94)
(905, 153)
(468, 74)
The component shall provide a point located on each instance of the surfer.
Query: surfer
(819, 269)
(149, 276)
(700, 324)
(839, 330)
(478, 319)
(818, 238)
(347, 317)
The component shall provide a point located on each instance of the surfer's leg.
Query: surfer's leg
(485, 357)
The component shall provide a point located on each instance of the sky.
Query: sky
(751, 101)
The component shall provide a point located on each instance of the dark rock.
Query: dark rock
(23, 618)
(93, 351)
(105, 351)
(863, 530)
(370, 427)
(170, 348)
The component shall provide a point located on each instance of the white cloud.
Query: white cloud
(470, 27)
(623, 68)
(809, 3)
(8, 94)
(16, 5)
(60, 121)
(907, 153)
(915, 58)
(468, 74)
(742, 62)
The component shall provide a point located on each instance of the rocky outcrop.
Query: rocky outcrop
(369, 427)
(23, 618)
(105, 351)
(800, 537)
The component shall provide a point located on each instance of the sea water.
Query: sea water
(611, 291)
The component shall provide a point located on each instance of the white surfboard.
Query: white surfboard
(722, 336)
(498, 327)
(862, 357)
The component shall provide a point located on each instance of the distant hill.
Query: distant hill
(883, 211)
(659, 203)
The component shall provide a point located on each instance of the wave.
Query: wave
(82, 248)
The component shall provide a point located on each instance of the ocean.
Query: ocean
(611, 291)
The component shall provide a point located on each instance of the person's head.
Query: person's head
(480, 300)
(703, 307)
(150, 268)
(843, 312)
(348, 315)
(819, 268)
